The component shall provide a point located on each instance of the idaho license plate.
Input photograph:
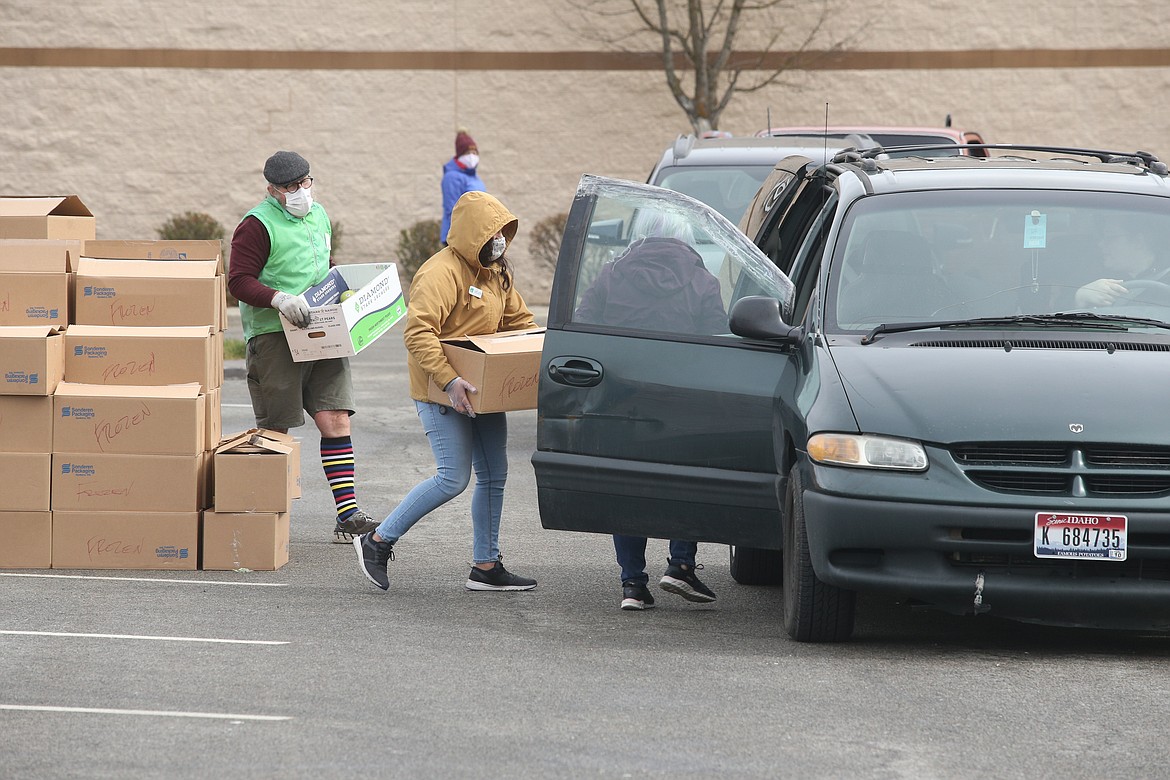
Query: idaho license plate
(1100, 537)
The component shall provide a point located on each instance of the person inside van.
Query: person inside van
(659, 283)
(1127, 253)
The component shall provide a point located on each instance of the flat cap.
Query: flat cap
(285, 167)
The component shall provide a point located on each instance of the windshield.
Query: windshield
(727, 189)
(948, 255)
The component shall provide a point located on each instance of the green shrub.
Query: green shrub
(545, 240)
(195, 226)
(191, 226)
(335, 240)
(416, 244)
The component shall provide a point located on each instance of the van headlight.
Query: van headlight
(867, 452)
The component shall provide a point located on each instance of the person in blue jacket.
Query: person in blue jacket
(459, 177)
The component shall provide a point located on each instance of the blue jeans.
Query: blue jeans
(631, 556)
(459, 443)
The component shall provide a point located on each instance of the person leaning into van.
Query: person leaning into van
(466, 289)
(659, 283)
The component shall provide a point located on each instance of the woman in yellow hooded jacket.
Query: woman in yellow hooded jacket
(465, 290)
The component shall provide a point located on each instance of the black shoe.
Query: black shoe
(352, 527)
(682, 581)
(373, 557)
(635, 595)
(497, 578)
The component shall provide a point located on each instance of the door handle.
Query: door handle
(575, 371)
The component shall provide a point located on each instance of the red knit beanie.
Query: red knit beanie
(463, 142)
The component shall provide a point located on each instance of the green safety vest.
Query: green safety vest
(299, 259)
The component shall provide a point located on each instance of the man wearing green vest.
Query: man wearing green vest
(279, 250)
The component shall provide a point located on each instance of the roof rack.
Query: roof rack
(1141, 159)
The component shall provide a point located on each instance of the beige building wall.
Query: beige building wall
(85, 110)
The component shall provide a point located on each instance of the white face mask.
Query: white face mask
(469, 160)
(499, 244)
(298, 203)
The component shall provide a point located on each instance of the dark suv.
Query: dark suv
(942, 377)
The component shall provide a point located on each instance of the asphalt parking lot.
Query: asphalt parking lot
(310, 672)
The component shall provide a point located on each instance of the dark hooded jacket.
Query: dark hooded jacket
(657, 284)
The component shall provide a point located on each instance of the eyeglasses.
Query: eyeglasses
(304, 183)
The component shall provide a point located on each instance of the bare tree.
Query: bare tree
(698, 37)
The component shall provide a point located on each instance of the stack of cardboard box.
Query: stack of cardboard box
(138, 416)
(31, 365)
(40, 242)
(257, 474)
(112, 356)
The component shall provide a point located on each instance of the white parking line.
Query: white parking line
(154, 713)
(149, 638)
(148, 579)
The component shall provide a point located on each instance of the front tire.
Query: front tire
(813, 610)
(753, 566)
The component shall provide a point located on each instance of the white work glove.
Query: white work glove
(294, 308)
(457, 390)
(1102, 292)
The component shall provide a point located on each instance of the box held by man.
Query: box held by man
(345, 328)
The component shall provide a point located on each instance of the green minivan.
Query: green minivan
(939, 376)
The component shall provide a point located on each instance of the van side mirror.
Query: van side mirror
(758, 317)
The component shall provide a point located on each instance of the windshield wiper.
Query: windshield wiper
(1081, 318)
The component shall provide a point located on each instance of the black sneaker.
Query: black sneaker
(353, 526)
(373, 557)
(497, 578)
(682, 581)
(635, 595)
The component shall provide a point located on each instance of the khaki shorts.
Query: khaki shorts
(283, 390)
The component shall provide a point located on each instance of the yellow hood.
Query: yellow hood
(477, 217)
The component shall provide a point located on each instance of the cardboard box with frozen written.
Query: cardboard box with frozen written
(112, 355)
(346, 328)
(107, 482)
(46, 216)
(244, 540)
(32, 360)
(146, 293)
(503, 367)
(129, 419)
(35, 281)
(168, 250)
(126, 540)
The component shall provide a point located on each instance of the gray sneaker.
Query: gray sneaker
(373, 558)
(353, 526)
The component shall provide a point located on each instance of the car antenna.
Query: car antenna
(826, 131)
(769, 125)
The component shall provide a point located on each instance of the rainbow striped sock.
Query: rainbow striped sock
(337, 460)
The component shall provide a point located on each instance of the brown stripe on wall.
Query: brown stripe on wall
(573, 60)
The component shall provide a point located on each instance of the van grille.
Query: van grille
(1056, 470)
